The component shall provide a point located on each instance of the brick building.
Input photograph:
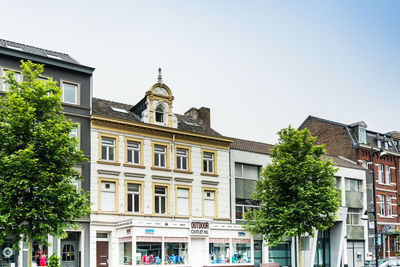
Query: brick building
(358, 144)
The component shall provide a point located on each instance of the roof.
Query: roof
(118, 110)
(251, 146)
(37, 51)
(343, 162)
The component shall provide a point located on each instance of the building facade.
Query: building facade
(160, 187)
(357, 143)
(75, 80)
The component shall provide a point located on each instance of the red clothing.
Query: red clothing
(42, 261)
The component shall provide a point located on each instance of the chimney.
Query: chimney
(202, 113)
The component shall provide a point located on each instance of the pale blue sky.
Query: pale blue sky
(259, 65)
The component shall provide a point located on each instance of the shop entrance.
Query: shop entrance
(102, 253)
(198, 254)
(70, 255)
(355, 253)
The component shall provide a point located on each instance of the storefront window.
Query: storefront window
(148, 253)
(281, 253)
(219, 253)
(175, 253)
(39, 253)
(125, 253)
(8, 256)
(241, 253)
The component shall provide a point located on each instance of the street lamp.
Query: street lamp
(382, 154)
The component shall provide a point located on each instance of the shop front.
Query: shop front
(9, 256)
(389, 241)
(194, 243)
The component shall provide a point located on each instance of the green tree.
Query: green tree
(36, 158)
(296, 192)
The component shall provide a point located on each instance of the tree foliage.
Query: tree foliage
(296, 192)
(37, 156)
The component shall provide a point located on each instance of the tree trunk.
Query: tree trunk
(29, 249)
(299, 248)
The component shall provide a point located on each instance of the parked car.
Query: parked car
(390, 263)
(372, 263)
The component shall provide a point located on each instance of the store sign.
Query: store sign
(387, 228)
(149, 231)
(241, 234)
(199, 228)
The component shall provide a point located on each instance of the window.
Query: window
(133, 152)
(160, 199)
(208, 162)
(75, 179)
(182, 205)
(388, 178)
(160, 154)
(181, 159)
(245, 181)
(364, 164)
(380, 173)
(75, 133)
(17, 76)
(69, 93)
(386, 145)
(125, 252)
(362, 135)
(219, 252)
(176, 253)
(107, 148)
(396, 143)
(148, 253)
(381, 204)
(353, 216)
(133, 197)
(159, 114)
(108, 196)
(241, 251)
(389, 205)
(352, 185)
(379, 142)
(209, 203)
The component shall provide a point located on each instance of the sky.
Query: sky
(259, 66)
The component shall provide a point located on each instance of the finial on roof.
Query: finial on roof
(159, 76)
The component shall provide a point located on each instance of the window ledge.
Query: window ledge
(134, 166)
(386, 217)
(160, 169)
(182, 171)
(386, 184)
(209, 174)
(108, 162)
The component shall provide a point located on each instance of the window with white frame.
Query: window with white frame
(107, 196)
(246, 176)
(208, 162)
(379, 142)
(17, 76)
(160, 155)
(69, 93)
(133, 152)
(353, 216)
(388, 177)
(381, 204)
(107, 148)
(160, 199)
(75, 180)
(386, 145)
(182, 159)
(209, 200)
(380, 173)
(133, 197)
(159, 114)
(362, 135)
(352, 185)
(182, 202)
(389, 205)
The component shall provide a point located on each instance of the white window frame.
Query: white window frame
(74, 181)
(182, 155)
(158, 154)
(77, 92)
(102, 207)
(381, 205)
(388, 176)
(76, 132)
(185, 198)
(362, 135)
(208, 162)
(131, 151)
(108, 147)
(133, 194)
(379, 143)
(206, 198)
(158, 198)
(389, 206)
(381, 175)
(4, 86)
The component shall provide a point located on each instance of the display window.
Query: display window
(175, 253)
(125, 253)
(148, 253)
(241, 250)
(8, 256)
(39, 254)
(219, 251)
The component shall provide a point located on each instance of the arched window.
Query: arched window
(159, 114)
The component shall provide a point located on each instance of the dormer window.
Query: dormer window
(362, 135)
(159, 114)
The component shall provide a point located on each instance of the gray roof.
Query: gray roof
(251, 146)
(104, 107)
(343, 162)
(37, 51)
